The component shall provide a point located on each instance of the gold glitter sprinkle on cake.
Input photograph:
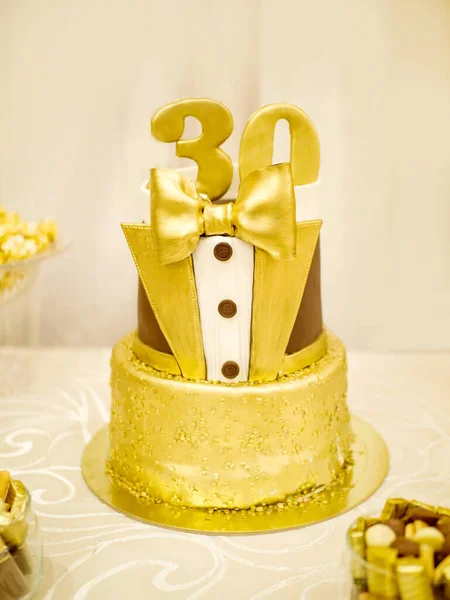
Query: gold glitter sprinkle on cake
(216, 445)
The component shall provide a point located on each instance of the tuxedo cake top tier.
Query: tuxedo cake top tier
(229, 289)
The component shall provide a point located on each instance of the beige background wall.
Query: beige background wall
(80, 80)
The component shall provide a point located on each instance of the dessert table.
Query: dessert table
(53, 400)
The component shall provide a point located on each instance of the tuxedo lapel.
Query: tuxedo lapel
(172, 294)
(278, 288)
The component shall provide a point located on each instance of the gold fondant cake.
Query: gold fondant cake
(231, 393)
(198, 443)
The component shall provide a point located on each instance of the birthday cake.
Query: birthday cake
(230, 393)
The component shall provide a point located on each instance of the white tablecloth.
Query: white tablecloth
(53, 401)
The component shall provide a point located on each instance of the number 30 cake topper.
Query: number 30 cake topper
(215, 169)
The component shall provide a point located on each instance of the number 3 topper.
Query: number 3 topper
(215, 169)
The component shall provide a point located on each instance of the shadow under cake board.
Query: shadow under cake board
(371, 465)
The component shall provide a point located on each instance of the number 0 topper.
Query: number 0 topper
(257, 141)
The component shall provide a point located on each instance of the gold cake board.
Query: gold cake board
(371, 464)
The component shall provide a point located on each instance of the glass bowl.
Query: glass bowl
(367, 581)
(19, 304)
(21, 555)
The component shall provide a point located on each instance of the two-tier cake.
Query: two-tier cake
(230, 393)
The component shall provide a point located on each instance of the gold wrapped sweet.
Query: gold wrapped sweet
(442, 572)
(356, 539)
(413, 581)
(15, 561)
(394, 508)
(381, 579)
(5, 481)
(13, 523)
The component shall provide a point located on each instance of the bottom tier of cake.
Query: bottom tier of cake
(204, 444)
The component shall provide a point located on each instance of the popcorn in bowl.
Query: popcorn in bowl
(19, 242)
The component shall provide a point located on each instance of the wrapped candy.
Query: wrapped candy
(357, 542)
(13, 523)
(427, 559)
(5, 480)
(15, 559)
(381, 579)
(413, 581)
(421, 511)
(394, 508)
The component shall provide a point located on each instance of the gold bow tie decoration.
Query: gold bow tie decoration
(263, 213)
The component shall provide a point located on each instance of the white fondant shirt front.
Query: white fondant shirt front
(225, 339)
